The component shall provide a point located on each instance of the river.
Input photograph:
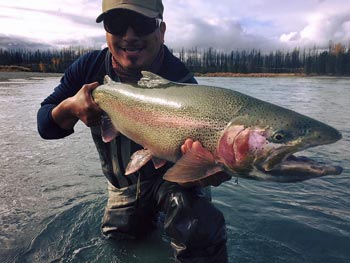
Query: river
(53, 192)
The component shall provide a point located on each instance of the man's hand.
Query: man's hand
(215, 179)
(79, 107)
(84, 107)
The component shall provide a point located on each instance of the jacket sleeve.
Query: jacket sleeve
(47, 128)
(73, 79)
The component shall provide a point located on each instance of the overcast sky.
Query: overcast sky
(223, 24)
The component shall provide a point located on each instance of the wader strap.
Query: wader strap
(138, 189)
(124, 154)
(99, 76)
(108, 67)
(118, 168)
(120, 147)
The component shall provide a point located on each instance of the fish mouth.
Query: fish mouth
(269, 160)
(284, 166)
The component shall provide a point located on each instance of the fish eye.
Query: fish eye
(278, 136)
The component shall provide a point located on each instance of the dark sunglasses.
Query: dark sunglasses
(118, 23)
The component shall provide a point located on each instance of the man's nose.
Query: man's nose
(130, 33)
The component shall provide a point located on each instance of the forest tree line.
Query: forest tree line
(41, 60)
(332, 61)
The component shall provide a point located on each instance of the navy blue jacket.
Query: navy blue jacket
(115, 155)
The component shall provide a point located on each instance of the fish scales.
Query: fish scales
(240, 135)
(168, 121)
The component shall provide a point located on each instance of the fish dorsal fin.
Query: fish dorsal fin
(107, 80)
(151, 80)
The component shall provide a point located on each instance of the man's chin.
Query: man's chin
(134, 67)
(131, 63)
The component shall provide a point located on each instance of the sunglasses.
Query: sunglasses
(118, 23)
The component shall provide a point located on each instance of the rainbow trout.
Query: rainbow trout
(241, 135)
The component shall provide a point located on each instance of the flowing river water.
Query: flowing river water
(52, 193)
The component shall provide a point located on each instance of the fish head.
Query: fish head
(264, 147)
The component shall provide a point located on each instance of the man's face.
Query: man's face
(133, 51)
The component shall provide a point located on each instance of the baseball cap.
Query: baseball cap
(149, 8)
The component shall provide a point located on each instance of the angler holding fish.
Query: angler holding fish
(161, 138)
(135, 37)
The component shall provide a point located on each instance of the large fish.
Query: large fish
(241, 135)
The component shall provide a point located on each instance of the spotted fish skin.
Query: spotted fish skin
(241, 135)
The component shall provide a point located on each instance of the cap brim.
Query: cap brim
(137, 9)
(100, 18)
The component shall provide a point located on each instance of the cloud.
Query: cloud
(57, 24)
(292, 36)
(226, 25)
(13, 42)
(320, 30)
(58, 14)
(265, 25)
(224, 34)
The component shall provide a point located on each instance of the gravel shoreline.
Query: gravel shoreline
(5, 76)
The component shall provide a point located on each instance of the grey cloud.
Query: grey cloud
(334, 28)
(295, 37)
(227, 35)
(81, 20)
(229, 26)
(16, 42)
(95, 42)
(19, 42)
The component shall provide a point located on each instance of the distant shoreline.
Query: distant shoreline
(252, 75)
(7, 75)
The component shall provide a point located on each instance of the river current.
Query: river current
(52, 193)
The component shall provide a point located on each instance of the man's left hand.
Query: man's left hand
(214, 179)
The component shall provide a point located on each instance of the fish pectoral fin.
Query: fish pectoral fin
(108, 131)
(158, 163)
(151, 80)
(137, 160)
(194, 165)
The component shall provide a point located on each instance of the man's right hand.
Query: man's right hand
(79, 107)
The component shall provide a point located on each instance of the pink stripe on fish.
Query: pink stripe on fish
(161, 119)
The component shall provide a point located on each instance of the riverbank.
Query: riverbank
(251, 75)
(7, 75)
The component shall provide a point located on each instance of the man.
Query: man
(135, 38)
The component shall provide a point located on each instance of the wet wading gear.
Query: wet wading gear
(195, 226)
